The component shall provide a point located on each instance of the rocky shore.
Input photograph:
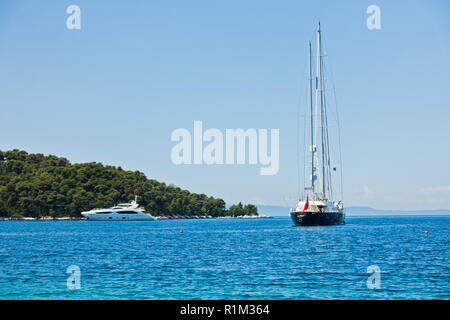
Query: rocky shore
(261, 216)
(39, 219)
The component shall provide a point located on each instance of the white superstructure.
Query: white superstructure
(319, 206)
(122, 211)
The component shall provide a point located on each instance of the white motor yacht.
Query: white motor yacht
(122, 212)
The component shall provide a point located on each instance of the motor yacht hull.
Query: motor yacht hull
(115, 216)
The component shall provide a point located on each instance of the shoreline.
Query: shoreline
(156, 218)
(262, 216)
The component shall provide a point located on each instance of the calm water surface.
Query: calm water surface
(226, 259)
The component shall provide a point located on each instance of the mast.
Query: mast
(319, 91)
(312, 120)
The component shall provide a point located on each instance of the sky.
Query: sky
(114, 90)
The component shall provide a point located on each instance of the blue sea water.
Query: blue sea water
(226, 259)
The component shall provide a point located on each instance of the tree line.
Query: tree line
(34, 185)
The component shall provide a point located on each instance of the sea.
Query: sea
(377, 257)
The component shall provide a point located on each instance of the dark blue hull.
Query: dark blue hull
(318, 218)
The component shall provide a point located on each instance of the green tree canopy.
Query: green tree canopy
(35, 185)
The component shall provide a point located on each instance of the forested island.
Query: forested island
(37, 186)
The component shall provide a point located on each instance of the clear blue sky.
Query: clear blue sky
(115, 90)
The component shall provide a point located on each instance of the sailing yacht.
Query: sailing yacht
(318, 208)
(122, 211)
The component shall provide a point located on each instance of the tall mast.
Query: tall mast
(312, 119)
(320, 91)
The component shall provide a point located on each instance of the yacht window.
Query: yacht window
(127, 212)
(103, 212)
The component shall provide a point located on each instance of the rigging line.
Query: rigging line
(339, 142)
(304, 139)
(323, 122)
(327, 163)
(305, 136)
(319, 73)
(322, 115)
(338, 123)
(297, 144)
(327, 142)
(299, 108)
(304, 158)
(298, 149)
(330, 189)
(299, 191)
(327, 137)
(311, 122)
